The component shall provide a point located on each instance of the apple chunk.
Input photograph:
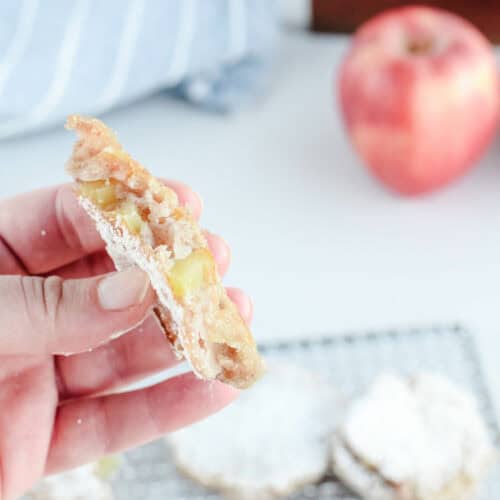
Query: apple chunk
(190, 274)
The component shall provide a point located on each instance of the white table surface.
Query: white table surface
(320, 246)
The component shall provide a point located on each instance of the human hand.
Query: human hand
(61, 363)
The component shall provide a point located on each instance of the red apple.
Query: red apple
(419, 95)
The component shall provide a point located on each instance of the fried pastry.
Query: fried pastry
(142, 223)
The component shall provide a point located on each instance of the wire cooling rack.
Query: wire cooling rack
(350, 362)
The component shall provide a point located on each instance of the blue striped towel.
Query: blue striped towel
(88, 56)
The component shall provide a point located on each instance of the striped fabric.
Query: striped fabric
(59, 57)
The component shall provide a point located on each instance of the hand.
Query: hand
(61, 309)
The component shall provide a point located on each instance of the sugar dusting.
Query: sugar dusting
(422, 433)
(271, 440)
(76, 484)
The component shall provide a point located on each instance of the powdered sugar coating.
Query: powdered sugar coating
(81, 483)
(273, 439)
(361, 479)
(420, 435)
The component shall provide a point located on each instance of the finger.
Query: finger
(28, 400)
(187, 197)
(142, 352)
(9, 263)
(47, 229)
(86, 267)
(221, 252)
(243, 303)
(87, 429)
(52, 315)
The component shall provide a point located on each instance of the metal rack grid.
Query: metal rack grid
(350, 362)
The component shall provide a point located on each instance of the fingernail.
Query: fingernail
(123, 289)
(220, 250)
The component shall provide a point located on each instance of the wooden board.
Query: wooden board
(346, 15)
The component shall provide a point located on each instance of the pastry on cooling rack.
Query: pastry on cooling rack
(88, 482)
(142, 223)
(268, 443)
(420, 438)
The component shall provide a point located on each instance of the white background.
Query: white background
(321, 247)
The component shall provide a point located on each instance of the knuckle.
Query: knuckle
(42, 298)
(52, 290)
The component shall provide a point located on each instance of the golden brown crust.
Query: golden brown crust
(201, 322)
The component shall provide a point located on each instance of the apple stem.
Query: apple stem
(420, 46)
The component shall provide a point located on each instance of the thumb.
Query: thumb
(56, 316)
